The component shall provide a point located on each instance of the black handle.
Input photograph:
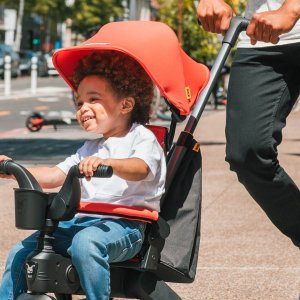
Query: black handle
(24, 177)
(66, 201)
(237, 25)
(101, 172)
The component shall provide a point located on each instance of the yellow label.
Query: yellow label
(196, 147)
(188, 92)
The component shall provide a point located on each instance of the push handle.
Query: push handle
(237, 25)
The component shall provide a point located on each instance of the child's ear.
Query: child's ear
(127, 105)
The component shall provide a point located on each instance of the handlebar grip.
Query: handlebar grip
(24, 178)
(103, 172)
(3, 167)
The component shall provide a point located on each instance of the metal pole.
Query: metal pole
(7, 75)
(180, 22)
(132, 10)
(19, 25)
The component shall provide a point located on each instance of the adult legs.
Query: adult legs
(264, 85)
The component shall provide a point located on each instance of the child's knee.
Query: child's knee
(84, 246)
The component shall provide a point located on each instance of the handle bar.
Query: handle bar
(27, 181)
(63, 204)
(66, 201)
(24, 177)
(237, 25)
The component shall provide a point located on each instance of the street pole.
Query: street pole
(7, 75)
(180, 22)
(19, 25)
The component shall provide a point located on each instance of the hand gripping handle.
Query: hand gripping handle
(237, 25)
(101, 172)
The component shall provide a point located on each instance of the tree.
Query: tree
(84, 13)
(90, 13)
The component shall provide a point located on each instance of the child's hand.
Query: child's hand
(90, 164)
(4, 157)
(2, 175)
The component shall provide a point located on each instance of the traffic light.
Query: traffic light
(35, 42)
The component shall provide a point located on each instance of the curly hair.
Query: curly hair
(126, 77)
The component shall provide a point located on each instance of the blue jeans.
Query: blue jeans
(91, 242)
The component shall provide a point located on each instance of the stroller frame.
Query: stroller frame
(129, 279)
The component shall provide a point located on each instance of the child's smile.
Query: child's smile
(99, 109)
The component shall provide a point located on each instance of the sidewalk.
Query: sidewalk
(242, 255)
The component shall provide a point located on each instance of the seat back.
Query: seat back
(160, 133)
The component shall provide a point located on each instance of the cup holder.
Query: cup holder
(30, 209)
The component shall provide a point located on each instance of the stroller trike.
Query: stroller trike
(170, 250)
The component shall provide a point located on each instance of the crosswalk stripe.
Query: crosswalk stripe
(5, 113)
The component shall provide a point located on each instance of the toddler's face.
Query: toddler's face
(99, 110)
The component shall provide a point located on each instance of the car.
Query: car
(25, 63)
(51, 69)
(15, 60)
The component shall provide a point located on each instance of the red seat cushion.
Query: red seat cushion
(127, 212)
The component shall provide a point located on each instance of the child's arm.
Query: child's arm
(132, 169)
(47, 177)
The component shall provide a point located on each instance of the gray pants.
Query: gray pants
(264, 85)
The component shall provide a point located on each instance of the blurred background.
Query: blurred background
(37, 27)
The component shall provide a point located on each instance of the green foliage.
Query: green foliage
(84, 13)
(89, 13)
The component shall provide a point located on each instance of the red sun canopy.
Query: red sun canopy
(155, 46)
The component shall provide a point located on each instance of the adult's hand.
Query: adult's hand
(215, 15)
(268, 26)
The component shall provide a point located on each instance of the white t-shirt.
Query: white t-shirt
(139, 142)
(257, 6)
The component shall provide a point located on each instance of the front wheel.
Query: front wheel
(34, 122)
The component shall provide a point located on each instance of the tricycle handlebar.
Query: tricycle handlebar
(24, 177)
(59, 206)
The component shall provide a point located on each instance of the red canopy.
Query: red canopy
(155, 46)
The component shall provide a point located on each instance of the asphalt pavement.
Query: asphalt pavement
(242, 255)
